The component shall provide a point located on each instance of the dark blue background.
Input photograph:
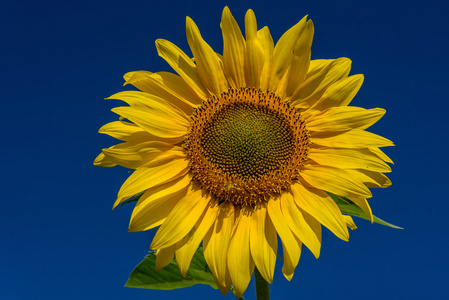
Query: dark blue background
(59, 238)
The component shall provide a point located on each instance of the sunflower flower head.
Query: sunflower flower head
(237, 149)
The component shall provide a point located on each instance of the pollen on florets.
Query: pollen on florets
(246, 145)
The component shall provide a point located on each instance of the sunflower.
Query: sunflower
(240, 148)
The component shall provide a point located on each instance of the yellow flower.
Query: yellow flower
(242, 147)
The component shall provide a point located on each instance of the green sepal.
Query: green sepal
(145, 276)
(348, 207)
(134, 198)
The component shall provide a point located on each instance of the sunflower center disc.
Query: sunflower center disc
(246, 146)
(247, 141)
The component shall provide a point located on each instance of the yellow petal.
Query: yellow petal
(321, 207)
(240, 262)
(234, 49)
(301, 58)
(354, 139)
(263, 243)
(313, 87)
(224, 288)
(160, 106)
(164, 257)
(156, 203)
(103, 161)
(254, 59)
(348, 159)
(181, 219)
(364, 205)
(317, 65)
(266, 43)
(165, 85)
(152, 122)
(281, 87)
(183, 65)
(350, 222)
(125, 131)
(288, 269)
(372, 179)
(216, 242)
(340, 93)
(185, 253)
(283, 53)
(209, 66)
(344, 118)
(381, 155)
(336, 181)
(299, 225)
(313, 223)
(156, 173)
(292, 250)
(133, 156)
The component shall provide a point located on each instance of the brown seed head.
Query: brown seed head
(246, 145)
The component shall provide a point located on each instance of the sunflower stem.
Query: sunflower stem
(262, 287)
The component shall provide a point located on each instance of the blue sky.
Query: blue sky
(59, 238)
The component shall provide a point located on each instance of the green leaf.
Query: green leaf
(348, 207)
(145, 276)
(134, 198)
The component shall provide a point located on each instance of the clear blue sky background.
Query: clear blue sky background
(59, 238)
